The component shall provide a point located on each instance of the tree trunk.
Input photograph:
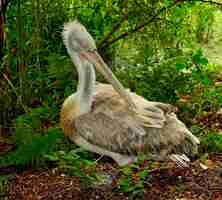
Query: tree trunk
(2, 38)
(3, 8)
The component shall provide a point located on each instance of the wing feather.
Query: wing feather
(110, 126)
(113, 134)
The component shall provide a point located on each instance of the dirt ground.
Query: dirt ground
(169, 183)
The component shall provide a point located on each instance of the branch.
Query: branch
(154, 17)
(3, 5)
(211, 2)
(114, 28)
(137, 27)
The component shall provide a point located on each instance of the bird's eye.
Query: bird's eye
(92, 50)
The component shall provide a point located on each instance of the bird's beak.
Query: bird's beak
(94, 58)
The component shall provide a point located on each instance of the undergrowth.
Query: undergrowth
(133, 178)
(39, 143)
(32, 139)
(75, 162)
(4, 181)
(211, 142)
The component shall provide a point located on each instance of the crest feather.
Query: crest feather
(71, 27)
(76, 31)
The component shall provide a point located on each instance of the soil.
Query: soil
(212, 120)
(198, 182)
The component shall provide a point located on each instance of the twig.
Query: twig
(96, 161)
(14, 90)
(10, 83)
(115, 27)
(154, 17)
(211, 2)
(137, 27)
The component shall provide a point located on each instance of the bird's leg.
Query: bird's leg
(120, 159)
(124, 160)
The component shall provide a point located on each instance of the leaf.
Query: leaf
(220, 100)
(180, 66)
(203, 61)
(199, 58)
(127, 170)
(52, 157)
(143, 174)
(206, 81)
(71, 157)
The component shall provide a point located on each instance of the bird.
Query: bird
(110, 120)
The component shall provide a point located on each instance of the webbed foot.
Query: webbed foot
(123, 160)
(180, 160)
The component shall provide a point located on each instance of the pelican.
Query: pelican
(112, 121)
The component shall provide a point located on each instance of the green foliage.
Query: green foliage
(48, 71)
(211, 142)
(32, 148)
(4, 180)
(76, 162)
(165, 81)
(61, 79)
(133, 178)
(205, 96)
(32, 142)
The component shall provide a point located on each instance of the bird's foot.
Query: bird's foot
(150, 116)
(180, 160)
(124, 160)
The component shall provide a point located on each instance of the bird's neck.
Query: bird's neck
(80, 102)
(86, 85)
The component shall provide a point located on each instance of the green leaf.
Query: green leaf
(199, 58)
(220, 100)
(203, 61)
(51, 157)
(143, 174)
(180, 66)
(206, 81)
(71, 157)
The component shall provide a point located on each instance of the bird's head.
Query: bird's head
(82, 47)
(77, 39)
